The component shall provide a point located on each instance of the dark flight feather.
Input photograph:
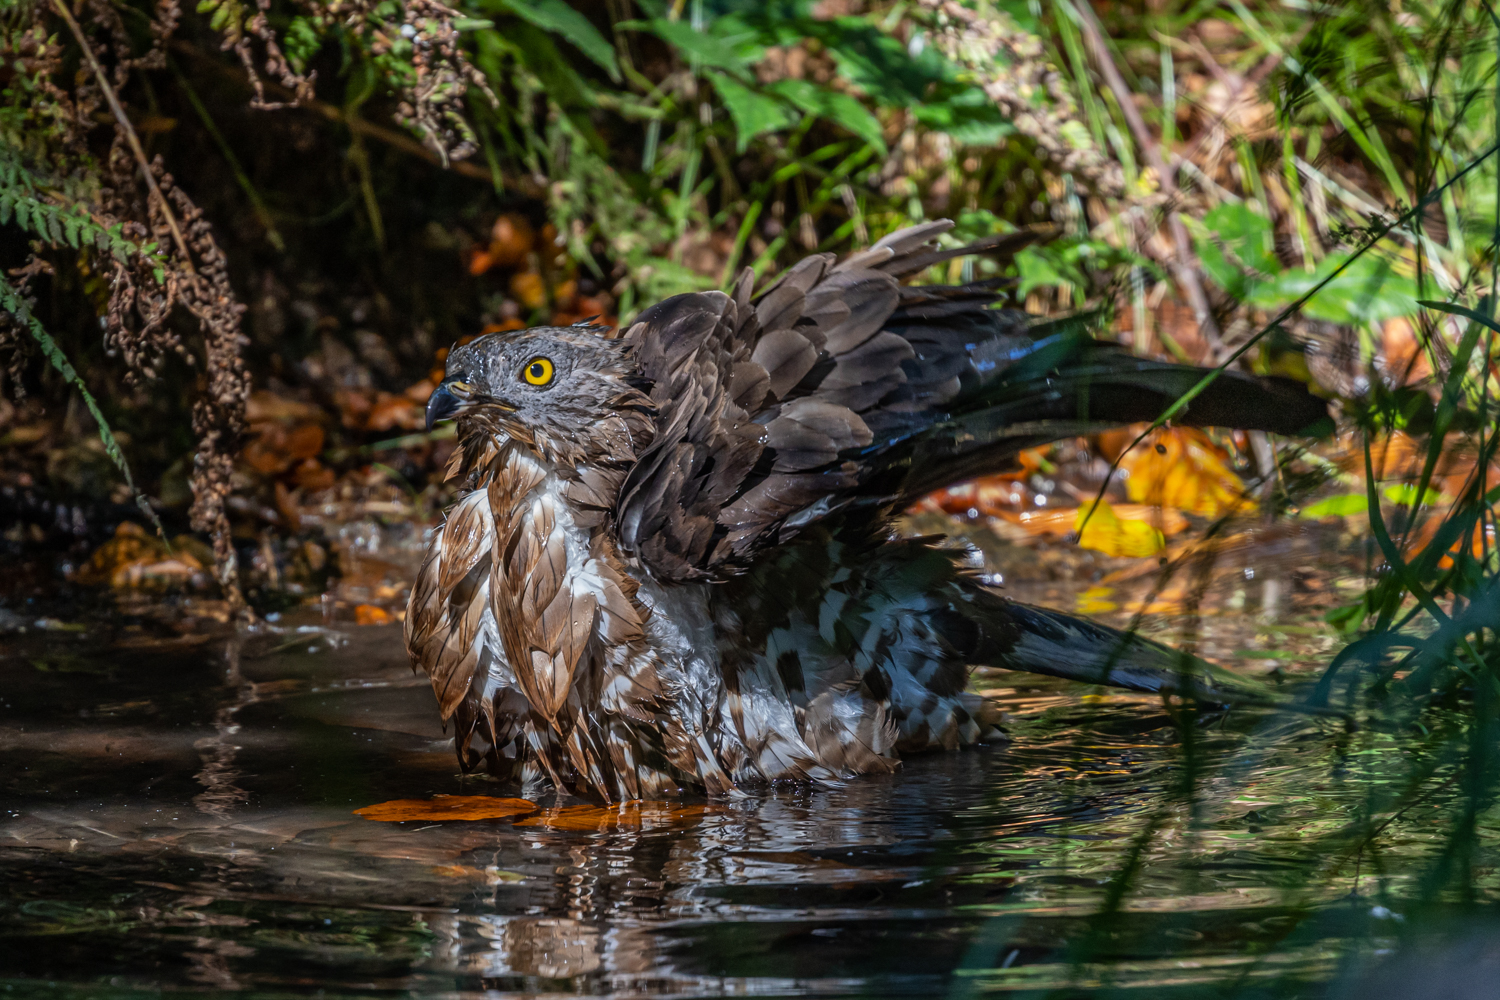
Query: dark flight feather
(842, 386)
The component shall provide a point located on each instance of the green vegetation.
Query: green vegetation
(1298, 188)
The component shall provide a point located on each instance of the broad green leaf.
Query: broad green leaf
(1406, 493)
(1369, 290)
(839, 108)
(301, 42)
(1037, 272)
(560, 19)
(708, 49)
(969, 116)
(753, 113)
(1236, 247)
(1339, 506)
(880, 65)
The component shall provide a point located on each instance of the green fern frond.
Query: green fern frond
(24, 200)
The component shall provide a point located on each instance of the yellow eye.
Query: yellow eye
(538, 371)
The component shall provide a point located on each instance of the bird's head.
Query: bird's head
(566, 392)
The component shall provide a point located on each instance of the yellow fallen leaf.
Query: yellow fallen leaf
(1095, 601)
(1064, 520)
(446, 807)
(1105, 531)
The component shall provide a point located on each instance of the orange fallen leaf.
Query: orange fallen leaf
(421, 391)
(1481, 543)
(480, 262)
(313, 476)
(371, 614)
(446, 807)
(1181, 467)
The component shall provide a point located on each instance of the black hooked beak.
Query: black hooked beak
(445, 402)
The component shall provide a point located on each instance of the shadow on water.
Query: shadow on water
(177, 816)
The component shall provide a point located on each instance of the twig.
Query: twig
(130, 137)
(1185, 267)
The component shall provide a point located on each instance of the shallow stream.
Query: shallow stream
(176, 815)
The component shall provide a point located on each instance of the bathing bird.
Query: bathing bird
(673, 565)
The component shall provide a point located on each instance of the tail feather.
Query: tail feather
(1041, 641)
(1081, 388)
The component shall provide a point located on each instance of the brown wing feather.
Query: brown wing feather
(757, 402)
(451, 631)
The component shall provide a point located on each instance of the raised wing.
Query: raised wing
(760, 400)
(839, 385)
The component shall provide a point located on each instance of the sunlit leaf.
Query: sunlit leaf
(1063, 520)
(1340, 506)
(1181, 467)
(1105, 531)
(1406, 494)
(445, 807)
(489, 875)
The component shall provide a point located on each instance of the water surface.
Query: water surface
(178, 817)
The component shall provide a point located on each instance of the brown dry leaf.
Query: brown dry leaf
(1181, 467)
(372, 614)
(626, 815)
(354, 406)
(265, 406)
(446, 807)
(312, 475)
(305, 441)
(392, 411)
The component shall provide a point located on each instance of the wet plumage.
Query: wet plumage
(673, 566)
